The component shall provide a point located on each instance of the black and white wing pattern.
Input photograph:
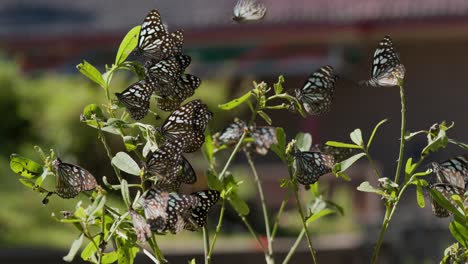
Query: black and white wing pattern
(447, 190)
(185, 87)
(248, 10)
(386, 66)
(187, 174)
(141, 227)
(206, 200)
(310, 166)
(187, 125)
(154, 42)
(263, 137)
(71, 179)
(136, 98)
(231, 134)
(317, 93)
(163, 165)
(339, 154)
(164, 74)
(453, 171)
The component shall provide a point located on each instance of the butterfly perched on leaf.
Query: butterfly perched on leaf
(447, 190)
(165, 74)
(185, 87)
(166, 211)
(316, 95)
(141, 227)
(231, 134)
(163, 165)
(263, 137)
(71, 179)
(187, 125)
(206, 200)
(387, 69)
(155, 42)
(310, 166)
(248, 10)
(136, 98)
(339, 154)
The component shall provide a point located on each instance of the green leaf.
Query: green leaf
(93, 110)
(25, 167)
(459, 144)
(265, 117)
(366, 187)
(97, 205)
(345, 164)
(127, 45)
(442, 201)
(130, 143)
(319, 215)
(125, 163)
(303, 141)
(409, 136)
(28, 184)
(91, 72)
(126, 254)
(375, 131)
(459, 232)
(356, 137)
(280, 147)
(409, 167)
(213, 182)
(423, 173)
(278, 87)
(342, 145)
(109, 258)
(239, 205)
(420, 196)
(76, 245)
(90, 249)
(208, 146)
(125, 193)
(192, 261)
(440, 141)
(236, 102)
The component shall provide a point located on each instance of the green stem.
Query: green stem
(269, 257)
(206, 244)
(278, 216)
(294, 247)
(108, 150)
(276, 107)
(234, 152)
(301, 213)
(156, 250)
(371, 161)
(218, 229)
(253, 233)
(402, 137)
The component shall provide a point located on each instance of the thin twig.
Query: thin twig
(278, 216)
(231, 157)
(294, 247)
(218, 229)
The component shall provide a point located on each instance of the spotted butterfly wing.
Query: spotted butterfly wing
(231, 134)
(447, 190)
(71, 179)
(206, 200)
(141, 227)
(187, 174)
(339, 154)
(263, 138)
(386, 66)
(154, 204)
(136, 98)
(317, 93)
(248, 10)
(163, 165)
(310, 166)
(453, 171)
(165, 73)
(185, 87)
(179, 210)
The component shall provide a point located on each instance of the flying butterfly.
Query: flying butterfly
(310, 166)
(165, 74)
(231, 134)
(187, 125)
(155, 42)
(142, 229)
(386, 66)
(248, 10)
(71, 179)
(185, 87)
(263, 138)
(447, 190)
(339, 154)
(317, 92)
(453, 171)
(206, 200)
(136, 98)
(167, 211)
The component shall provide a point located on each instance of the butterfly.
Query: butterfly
(155, 42)
(317, 92)
(165, 73)
(339, 154)
(136, 98)
(71, 179)
(231, 134)
(447, 190)
(263, 138)
(206, 200)
(142, 229)
(187, 125)
(248, 10)
(167, 211)
(310, 166)
(185, 87)
(453, 171)
(163, 164)
(386, 66)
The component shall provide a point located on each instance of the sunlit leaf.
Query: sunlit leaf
(278, 87)
(420, 196)
(236, 102)
(342, 145)
(90, 249)
(125, 193)
(91, 72)
(356, 137)
(125, 163)
(459, 232)
(208, 146)
(213, 182)
(239, 205)
(76, 245)
(109, 257)
(128, 44)
(265, 117)
(345, 164)
(374, 131)
(303, 141)
(25, 167)
(319, 215)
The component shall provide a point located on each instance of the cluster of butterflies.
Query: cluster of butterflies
(451, 178)
(263, 137)
(164, 70)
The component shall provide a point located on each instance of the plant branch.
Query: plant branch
(218, 229)
(233, 153)
(402, 137)
(253, 233)
(294, 246)
(371, 162)
(278, 216)
(206, 244)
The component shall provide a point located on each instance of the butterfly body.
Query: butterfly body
(72, 179)
(136, 98)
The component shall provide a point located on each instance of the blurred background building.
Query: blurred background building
(42, 95)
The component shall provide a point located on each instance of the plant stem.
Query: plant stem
(206, 244)
(268, 257)
(371, 161)
(294, 247)
(157, 251)
(278, 216)
(233, 153)
(301, 213)
(402, 138)
(210, 248)
(253, 233)
(108, 150)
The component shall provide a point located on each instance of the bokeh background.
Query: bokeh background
(42, 95)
